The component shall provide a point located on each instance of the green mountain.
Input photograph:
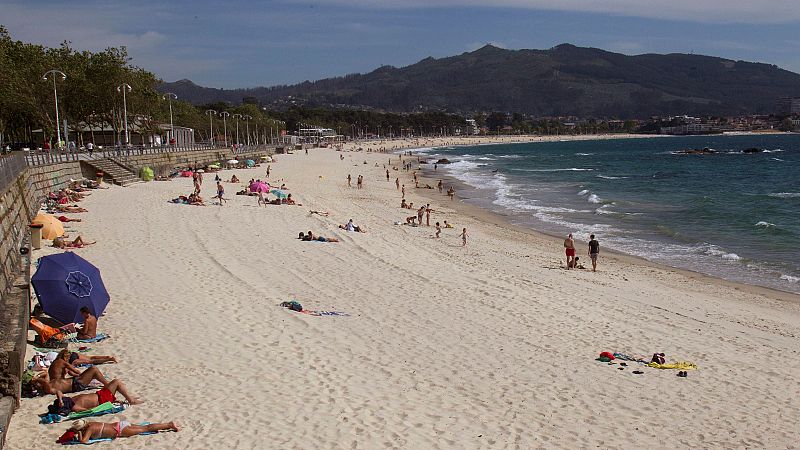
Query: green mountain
(564, 80)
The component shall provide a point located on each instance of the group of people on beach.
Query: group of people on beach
(59, 373)
(57, 202)
(573, 260)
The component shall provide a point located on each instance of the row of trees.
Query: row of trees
(89, 98)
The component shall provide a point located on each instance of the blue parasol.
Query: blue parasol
(278, 193)
(64, 283)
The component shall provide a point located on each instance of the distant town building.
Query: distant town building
(472, 127)
(788, 105)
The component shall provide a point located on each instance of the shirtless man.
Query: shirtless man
(349, 180)
(451, 192)
(89, 328)
(397, 183)
(569, 245)
(61, 384)
(439, 185)
(84, 431)
(83, 402)
(420, 213)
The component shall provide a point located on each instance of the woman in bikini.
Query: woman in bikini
(84, 431)
(59, 242)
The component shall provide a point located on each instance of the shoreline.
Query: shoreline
(503, 220)
(439, 345)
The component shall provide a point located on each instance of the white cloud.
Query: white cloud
(715, 11)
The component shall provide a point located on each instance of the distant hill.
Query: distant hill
(564, 80)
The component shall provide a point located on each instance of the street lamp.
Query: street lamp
(224, 115)
(210, 113)
(125, 88)
(237, 116)
(53, 74)
(247, 127)
(169, 96)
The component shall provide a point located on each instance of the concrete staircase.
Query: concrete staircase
(116, 172)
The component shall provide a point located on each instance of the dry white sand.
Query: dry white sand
(488, 346)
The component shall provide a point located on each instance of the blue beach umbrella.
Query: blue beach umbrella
(64, 283)
(250, 163)
(278, 193)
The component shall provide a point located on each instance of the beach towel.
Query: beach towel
(98, 338)
(100, 410)
(325, 313)
(46, 332)
(680, 365)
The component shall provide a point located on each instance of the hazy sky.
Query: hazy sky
(261, 43)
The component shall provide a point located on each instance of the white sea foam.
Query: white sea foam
(763, 224)
(571, 169)
(593, 198)
(584, 154)
(713, 250)
(583, 192)
(776, 159)
(606, 177)
(790, 278)
(785, 194)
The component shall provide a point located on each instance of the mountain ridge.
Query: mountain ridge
(563, 80)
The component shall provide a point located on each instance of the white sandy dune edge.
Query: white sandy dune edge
(488, 346)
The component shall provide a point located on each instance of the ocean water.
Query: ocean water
(733, 215)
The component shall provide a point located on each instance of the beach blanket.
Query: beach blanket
(98, 338)
(325, 313)
(100, 410)
(48, 350)
(680, 365)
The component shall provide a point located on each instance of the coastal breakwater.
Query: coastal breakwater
(22, 191)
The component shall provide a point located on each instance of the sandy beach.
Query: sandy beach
(491, 345)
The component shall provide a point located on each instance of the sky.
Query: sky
(250, 43)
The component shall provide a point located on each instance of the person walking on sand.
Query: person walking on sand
(594, 251)
(349, 180)
(451, 193)
(464, 237)
(403, 191)
(569, 245)
(221, 193)
(428, 211)
(269, 167)
(387, 175)
(439, 185)
(397, 183)
(360, 181)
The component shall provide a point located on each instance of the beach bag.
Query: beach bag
(293, 305)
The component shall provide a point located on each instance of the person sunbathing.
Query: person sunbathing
(65, 362)
(290, 201)
(195, 200)
(234, 179)
(350, 226)
(321, 213)
(83, 402)
(89, 328)
(67, 219)
(310, 237)
(44, 361)
(71, 209)
(78, 242)
(84, 431)
(66, 385)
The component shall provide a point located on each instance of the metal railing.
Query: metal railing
(53, 156)
(10, 167)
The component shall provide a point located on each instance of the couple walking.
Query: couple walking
(593, 252)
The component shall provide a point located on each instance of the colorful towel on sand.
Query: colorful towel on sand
(680, 365)
(98, 338)
(48, 350)
(325, 313)
(100, 410)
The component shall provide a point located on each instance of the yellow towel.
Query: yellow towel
(680, 365)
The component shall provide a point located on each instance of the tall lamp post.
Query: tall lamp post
(170, 96)
(237, 116)
(224, 115)
(54, 74)
(125, 88)
(247, 126)
(211, 113)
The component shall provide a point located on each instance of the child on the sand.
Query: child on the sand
(464, 237)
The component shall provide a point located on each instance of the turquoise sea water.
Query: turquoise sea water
(732, 214)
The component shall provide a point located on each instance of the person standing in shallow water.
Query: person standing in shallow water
(569, 246)
(594, 251)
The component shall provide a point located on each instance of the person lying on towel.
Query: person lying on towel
(84, 402)
(84, 431)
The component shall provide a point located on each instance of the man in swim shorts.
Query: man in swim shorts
(83, 402)
(594, 251)
(569, 246)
